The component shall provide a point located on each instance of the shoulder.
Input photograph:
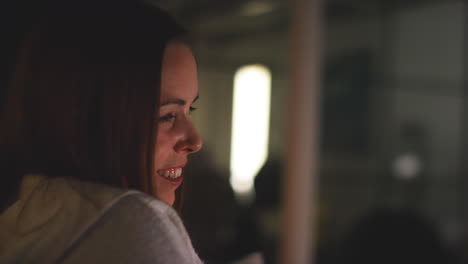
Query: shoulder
(136, 229)
(129, 212)
(140, 207)
(133, 205)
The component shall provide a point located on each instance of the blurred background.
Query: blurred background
(393, 130)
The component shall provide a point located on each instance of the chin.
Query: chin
(167, 198)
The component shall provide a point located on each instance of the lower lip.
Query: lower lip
(176, 182)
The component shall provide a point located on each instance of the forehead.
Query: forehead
(179, 72)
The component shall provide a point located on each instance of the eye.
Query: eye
(166, 118)
(192, 109)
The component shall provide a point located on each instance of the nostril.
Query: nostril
(197, 146)
(194, 148)
(189, 146)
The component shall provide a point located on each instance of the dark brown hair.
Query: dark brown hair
(82, 98)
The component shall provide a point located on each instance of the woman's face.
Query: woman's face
(177, 137)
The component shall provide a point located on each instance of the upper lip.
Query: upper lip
(173, 167)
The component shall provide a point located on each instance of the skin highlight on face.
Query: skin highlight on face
(177, 136)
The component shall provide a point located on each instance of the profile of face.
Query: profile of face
(176, 135)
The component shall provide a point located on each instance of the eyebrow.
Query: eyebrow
(177, 101)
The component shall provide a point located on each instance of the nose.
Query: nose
(190, 141)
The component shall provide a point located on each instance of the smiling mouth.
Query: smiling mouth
(174, 175)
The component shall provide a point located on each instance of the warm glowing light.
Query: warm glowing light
(407, 166)
(250, 125)
(256, 8)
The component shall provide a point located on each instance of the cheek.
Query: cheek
(162, 147)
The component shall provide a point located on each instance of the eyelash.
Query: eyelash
(170, 116)
(166, 118)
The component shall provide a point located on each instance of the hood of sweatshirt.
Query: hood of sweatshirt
(50, 214)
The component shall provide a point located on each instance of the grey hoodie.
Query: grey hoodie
(60, 220)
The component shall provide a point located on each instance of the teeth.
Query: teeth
(171, 173)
